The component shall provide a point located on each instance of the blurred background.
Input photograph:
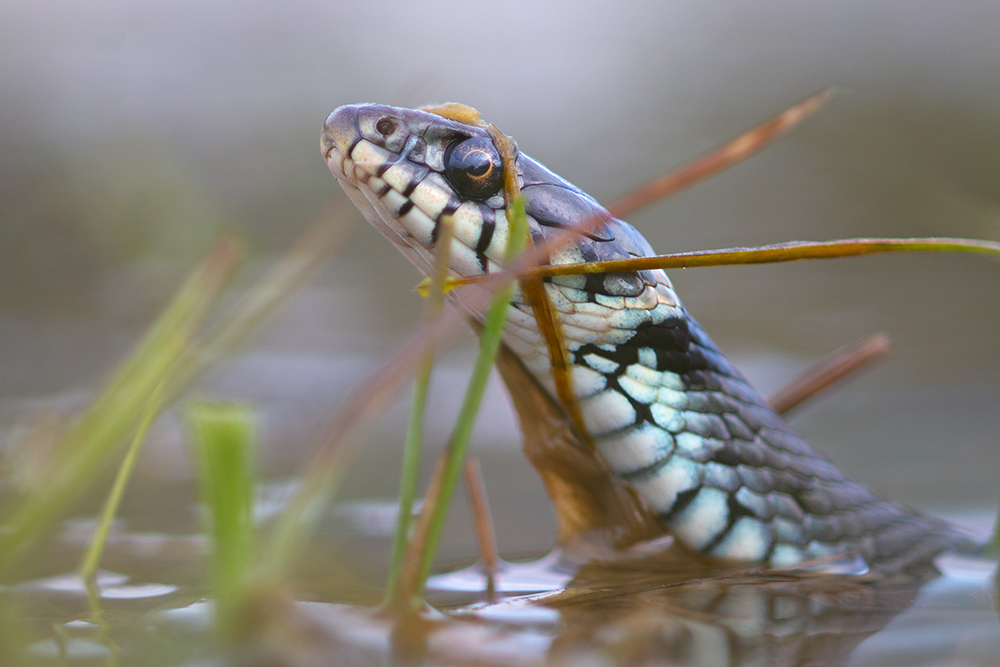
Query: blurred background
(132, 133)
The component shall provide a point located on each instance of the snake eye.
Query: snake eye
(385, 126)
(473, 168)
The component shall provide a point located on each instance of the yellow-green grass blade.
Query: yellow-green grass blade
(224, 441)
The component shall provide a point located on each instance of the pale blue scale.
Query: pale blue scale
(748, 539)
(786, 506)
(601, 364)
(790, 532)
(817, 549)
(695, 447)
(678, 400)
(587, 382)
(663, 312)
(628, 319)
(738, 389)
(636, 449)
(786, 555)
(613, 302)
(640, 392)
(660, 487)
(699, 422)
(721, 476)
(703, 519)
(647, 357)
(667, 418)
(567, 296)
(576, 281)
(754, 478)
(760, 505)
(670, 380)
(645, 375)
(607, 412)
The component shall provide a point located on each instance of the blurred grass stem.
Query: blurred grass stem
(90, 561)
(408, 595)
(414, 433)
(88, 444)
(225, 446)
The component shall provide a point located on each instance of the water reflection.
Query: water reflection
(670, 609)
(666, 609)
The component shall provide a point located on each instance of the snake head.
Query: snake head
(406, 169)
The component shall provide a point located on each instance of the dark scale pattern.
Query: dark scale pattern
(485, 237)
(641, 409)
(684, 498)
(778, 473)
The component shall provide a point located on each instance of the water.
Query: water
(648, 609)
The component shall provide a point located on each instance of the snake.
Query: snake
(665, 408)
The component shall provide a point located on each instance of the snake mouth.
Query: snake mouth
(336, 161)
(339, 137)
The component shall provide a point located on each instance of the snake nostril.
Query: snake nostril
(340, 132)
(385, 126)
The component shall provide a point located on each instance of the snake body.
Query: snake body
(666, 409)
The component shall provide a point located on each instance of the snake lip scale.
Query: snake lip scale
(665, 408)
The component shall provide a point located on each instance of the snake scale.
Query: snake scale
(666, 409)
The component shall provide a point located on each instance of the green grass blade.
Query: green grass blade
(88, 445)
(91, 559)
(423, 544)
(411, 450)
(458, 445)
(225, 446)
